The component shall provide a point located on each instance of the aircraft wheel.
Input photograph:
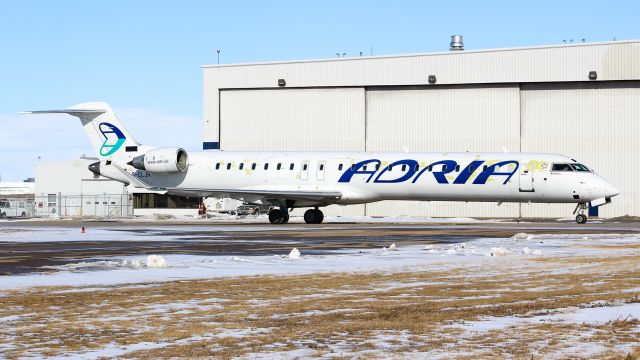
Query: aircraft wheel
(310, 216)
(275, 217)
(285, 219)
(319, 216)
(581, 218)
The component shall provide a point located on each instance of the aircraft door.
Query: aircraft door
(304, 170)
(526, 181)
(321, 168)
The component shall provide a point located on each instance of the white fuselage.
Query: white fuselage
(363, 177)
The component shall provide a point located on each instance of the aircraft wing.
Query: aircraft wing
(252, 195)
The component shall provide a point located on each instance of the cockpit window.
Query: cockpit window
(579, 167)
(561, 167)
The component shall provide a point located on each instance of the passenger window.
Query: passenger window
(417, 167)
(253, 166)
(304, 167)
(404, 167)
(321, 167)
(340, 167)
(229, 166)
(444, 167)
(279, 166)
(484, 168)
(390, 167)
(241, 166)
(364, 168)
(291, 166)
(457, 168)
(218, 166)
(430, 168)
(353, 167)
(377, 167)
(471, 168)
(266, 166)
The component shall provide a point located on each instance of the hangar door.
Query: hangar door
(294, 120)
(596, 123)
(443, 119)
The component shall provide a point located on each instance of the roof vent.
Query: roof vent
(456, 43)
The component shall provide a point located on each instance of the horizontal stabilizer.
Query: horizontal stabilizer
(66, 111)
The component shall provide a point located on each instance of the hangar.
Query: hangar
(581, 100)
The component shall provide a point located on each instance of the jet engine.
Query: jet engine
(163, 160)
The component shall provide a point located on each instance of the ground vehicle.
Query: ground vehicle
(251, 209)
(15, 208)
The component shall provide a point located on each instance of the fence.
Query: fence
(95, 205)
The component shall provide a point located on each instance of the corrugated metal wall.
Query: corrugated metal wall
(598, 124)
(443, 119)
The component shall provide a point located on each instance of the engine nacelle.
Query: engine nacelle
(165, 160)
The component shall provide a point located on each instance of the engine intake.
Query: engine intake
(165, 160)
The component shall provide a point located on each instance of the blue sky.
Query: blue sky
(144, 57)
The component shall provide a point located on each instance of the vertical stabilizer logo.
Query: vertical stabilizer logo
(113, 139)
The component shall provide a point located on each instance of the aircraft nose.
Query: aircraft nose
(611, 191)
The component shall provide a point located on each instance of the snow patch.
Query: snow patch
(156, 261)
(391, 247)
(499, 251)
(294, 254)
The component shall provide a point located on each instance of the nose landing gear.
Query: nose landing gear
(581, 218)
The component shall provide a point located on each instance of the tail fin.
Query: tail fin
(107, 134)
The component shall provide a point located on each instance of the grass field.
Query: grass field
(516, 306)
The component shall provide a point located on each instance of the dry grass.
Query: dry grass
(362, 315)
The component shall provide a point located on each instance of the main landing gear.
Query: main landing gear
(313, 216)
(581, 218)
(279, 216)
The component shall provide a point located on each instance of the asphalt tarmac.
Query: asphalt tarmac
(238, 238)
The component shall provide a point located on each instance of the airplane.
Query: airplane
(288, 180)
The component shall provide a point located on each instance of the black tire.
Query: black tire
(286, 218)
(581, 218)
(319, 217)
(310, 216)
(275, 217)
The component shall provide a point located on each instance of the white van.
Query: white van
(16, 208)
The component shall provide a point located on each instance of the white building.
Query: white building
(581, 100)
(68, 188)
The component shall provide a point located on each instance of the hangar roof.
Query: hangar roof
(613, 60)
